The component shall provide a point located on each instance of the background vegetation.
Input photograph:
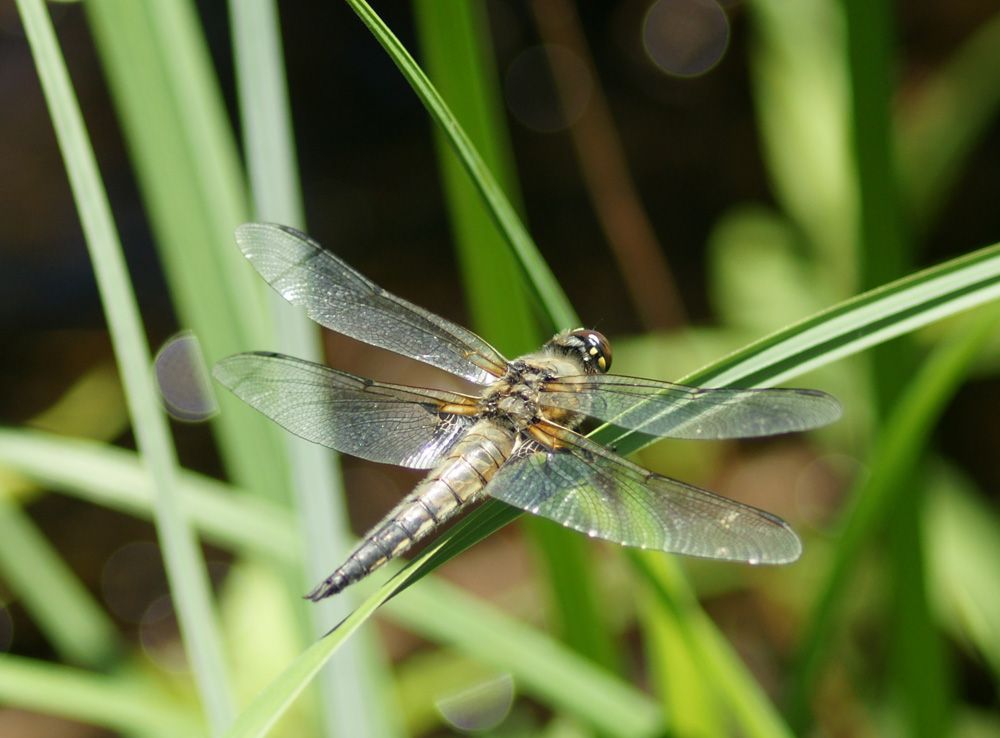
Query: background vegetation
(764, 216)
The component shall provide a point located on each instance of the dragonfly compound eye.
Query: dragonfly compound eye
(595, 349)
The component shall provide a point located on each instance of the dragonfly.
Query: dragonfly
(516, 439)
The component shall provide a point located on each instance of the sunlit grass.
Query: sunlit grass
(586, 670)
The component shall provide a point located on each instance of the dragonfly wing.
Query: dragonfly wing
(338, 297)
(406, 426)
(584, 486)
(665, 409)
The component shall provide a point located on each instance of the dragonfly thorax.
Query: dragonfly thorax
(516, 398)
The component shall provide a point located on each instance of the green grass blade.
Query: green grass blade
(720, 665)
(847, 328)
(182, 557)
(116, 479)
(259, 528)
(550, 294)
(118, 703)
(897, 451)
(540, 665)
(53, 597)
(676, 678)
(174, 120)
(951, 114)
(265, 710)
(963, 544)
(357, 677)
(916, 655)
(456, 44)
(265, 113)
(800, 92)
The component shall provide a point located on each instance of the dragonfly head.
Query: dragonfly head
(590, 347)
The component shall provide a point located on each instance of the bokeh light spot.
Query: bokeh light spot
(481, 707)
(160, 636)
(183, 379)
(132, 578)
(685, 38)
(532, 97)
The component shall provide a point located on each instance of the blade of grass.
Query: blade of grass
(800, 92)
(963, 534)
(550, 294)
(185, 158)
(922, 689)
(117, 479)
(184, 564)
(950, 115)
(53, 596)
(847, 328)
(675, 675)
(357, 677)
(541, 665)
(884, 490)
(720, 665)
(456, 42)
(105, 475)
(844, 329)
(118, 703)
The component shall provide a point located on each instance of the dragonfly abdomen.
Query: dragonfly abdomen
(458, 480)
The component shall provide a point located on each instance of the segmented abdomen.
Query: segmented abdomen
(456, 481)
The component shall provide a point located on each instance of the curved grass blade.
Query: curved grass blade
(719, 663)
(458, 53)
(545, 667)
(554, 301)
(872, 317)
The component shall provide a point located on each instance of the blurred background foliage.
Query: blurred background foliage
(696, 174)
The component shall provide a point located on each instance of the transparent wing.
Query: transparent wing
(406, 426)
(665, 409)
(584, 486)
(336, 296)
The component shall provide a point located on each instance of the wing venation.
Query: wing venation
(664, 409)
(391, 424)
(338, 297)
(585, 486)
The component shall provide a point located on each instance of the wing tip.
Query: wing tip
(247, 235)
(835, 410)
(221, 370)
